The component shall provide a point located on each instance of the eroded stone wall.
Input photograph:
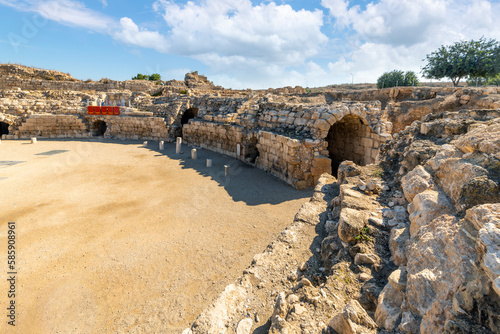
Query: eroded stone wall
(37, 84)
(52, 126)
(72, 126)
(129, 127)
(295, 143)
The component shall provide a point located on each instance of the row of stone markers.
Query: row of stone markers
(178, 150)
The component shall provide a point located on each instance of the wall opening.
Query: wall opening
(186, 116)
(189, 114)
(4, 129)
(251, 151)
(349, 139)
(99, 128)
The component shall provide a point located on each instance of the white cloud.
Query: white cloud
(130, 33)
(397, 34)
(72, 13)
(395, 22)
(269, 45)
(68, 12)
(267, 33)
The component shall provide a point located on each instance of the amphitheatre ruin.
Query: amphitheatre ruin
(337, 210)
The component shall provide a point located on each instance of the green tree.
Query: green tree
(494, 81)
(472, 59)
(155, 77)
(411, 79)
(140, 76)
(397, 78)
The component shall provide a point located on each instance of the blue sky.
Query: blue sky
(238, 43)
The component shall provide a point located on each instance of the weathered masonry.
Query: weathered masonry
(297, 143)
(296, 137)
(293, 142)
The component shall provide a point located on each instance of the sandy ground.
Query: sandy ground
(114, 237)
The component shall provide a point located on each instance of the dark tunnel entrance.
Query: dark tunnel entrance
(99, 128)
(4, 129)
(349, 139)
(251, 151)
(188, 114)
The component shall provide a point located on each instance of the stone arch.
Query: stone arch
(350, 139)
(98, 128)
(4, 128)
(189, 114)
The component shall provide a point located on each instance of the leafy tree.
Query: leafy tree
(140, 76)
(155, 77)
(494, 81)
(152, 77)
(473, 59)
(397, 78)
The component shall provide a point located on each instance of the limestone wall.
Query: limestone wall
(220, 138)
(52, 126)
(72, 126)
(37, 84)
(36, 106)
(129, 127)
(296, 162)
(294, 143)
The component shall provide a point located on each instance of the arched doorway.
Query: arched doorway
(189, 114)
(99, 128)
(186, 116)
(349, 139)
(4, 129)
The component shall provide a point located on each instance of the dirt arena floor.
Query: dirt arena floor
(112, 237)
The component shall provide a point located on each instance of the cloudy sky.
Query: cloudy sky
(238, 43)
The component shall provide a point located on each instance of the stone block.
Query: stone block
(323, 162)
(367, 142)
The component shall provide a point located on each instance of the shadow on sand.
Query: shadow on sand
(244, 183)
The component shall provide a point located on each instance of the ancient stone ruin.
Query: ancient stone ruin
(402, 233)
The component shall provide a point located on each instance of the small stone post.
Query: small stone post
(33, 140)
(162, 145)
(194, 154)
(178, 145)
(226, 169)
(145, 144)
(209, 163)
(238, 150)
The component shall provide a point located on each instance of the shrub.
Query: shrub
(397, 78)
(494, 81)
